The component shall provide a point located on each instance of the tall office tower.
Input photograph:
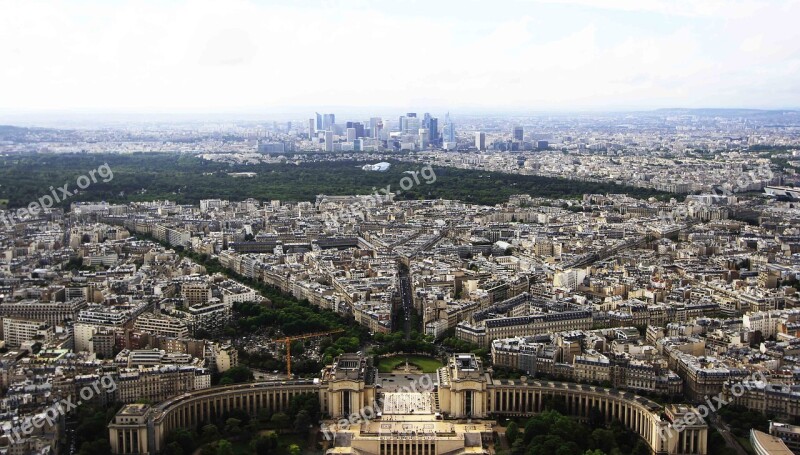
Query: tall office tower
(375, 127)
(387, 127)
(518, 133)
(433, 128)
(311, 128)
(411, 126)
(319, 122)
(328, 141)
(351, 134)
(432, 125)
(480, 140)
(288, 126)
(328, 120)
(423, 138)
(411, 114)
(449, 129)
(401, 125)
(358, 126)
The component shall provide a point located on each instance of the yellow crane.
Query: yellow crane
(288, 342)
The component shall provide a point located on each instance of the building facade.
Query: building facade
(462, 390)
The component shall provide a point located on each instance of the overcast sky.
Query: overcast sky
(520, 55)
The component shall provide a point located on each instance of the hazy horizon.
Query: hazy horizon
(67, 119)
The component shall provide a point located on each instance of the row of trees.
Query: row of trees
(91, 432)
(293, 318)
(454, 344)
(284, 311)
(236, 375)
(552, 433)
(260, 435)
(389, 343)
(742, 420)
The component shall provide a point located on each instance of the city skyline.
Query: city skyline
(518, 56)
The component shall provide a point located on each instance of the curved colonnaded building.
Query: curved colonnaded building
(446, 413)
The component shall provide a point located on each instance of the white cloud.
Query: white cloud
(205, 56)
(690, 8)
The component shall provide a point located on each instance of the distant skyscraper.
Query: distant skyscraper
(412, 114)
(519, 133)
(375, 127)
(432, 125)
(328, 141)
(480, 140)
(312, 124)
(288, 126)
(423, 138)
(449, 132)
(351, 134)
(358, 126)
(328, 120)
(411, 125)
(401, 125)
(319, 122)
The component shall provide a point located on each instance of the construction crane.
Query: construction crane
(288, 342)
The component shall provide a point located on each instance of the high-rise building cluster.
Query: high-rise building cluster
(407, 132)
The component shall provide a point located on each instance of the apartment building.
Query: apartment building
(778, 400)
(231, 291)
(703, 375)
(170, 235)
(210, 317)
(17, 332)
(195, 292)
(222, 357)
(592, 367)
(159, 382)
(97, 338)
(765, 322)
(483, 332)
(112, 316)
(161, 324)
(53, 313)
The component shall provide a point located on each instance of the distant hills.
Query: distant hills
(19, 134)
(726, 112)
